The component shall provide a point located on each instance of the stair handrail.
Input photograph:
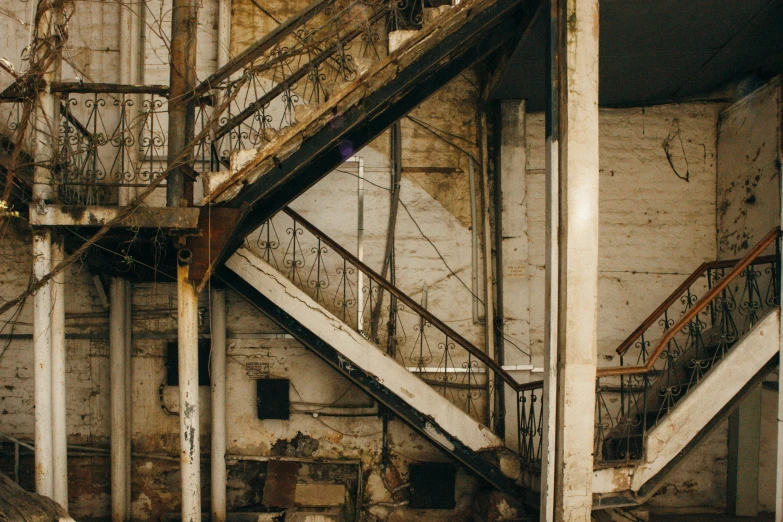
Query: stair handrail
(413, 305)
(672, 299)
(280, 88)
(262, 45)
(669, 301)
(752, 256)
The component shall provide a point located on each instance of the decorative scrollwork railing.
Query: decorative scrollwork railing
(678, 344)
(304, 61)
(110, 136)
(106, 137)
(408, 332)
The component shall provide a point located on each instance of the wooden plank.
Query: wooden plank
(280, 484)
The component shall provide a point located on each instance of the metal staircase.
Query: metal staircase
(297, 103)
(692, 362)
(426, 373)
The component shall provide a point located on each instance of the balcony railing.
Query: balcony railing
(304, 61)
(106, 137)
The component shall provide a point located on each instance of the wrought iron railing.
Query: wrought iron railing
(678, 344)
(109, 137)
(530, 420)
(406, 330)
(106, 137)
(303, 62)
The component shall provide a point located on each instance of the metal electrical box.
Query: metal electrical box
(272, 398)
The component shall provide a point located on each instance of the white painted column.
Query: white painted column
(187, 329)
(575, 53)
(217, 331)
(59, 421)
(42, 358)
(117, 377)
(128, 394)
(44, 143)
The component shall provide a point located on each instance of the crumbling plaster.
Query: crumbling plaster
(748, 201)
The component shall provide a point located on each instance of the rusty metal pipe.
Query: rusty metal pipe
(182, 79)
(187, 329)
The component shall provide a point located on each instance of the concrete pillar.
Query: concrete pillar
(44, 134)
(187, 330)
(742, 488)
(59, 421)
(117, 379)
(572, 184)
(515, 281)
(42, 357)
(217, 331)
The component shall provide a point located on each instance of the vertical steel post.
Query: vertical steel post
(487, 277)
(217, 332)
(128, 331)
(182, 80)
(59, 421)
(117, 377)
(44, 150)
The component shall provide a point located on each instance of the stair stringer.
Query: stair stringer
(363, 363)
(694, 416)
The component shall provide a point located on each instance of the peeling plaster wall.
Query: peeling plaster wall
(749, 170)
(439, 209)
(331, 205)
(655, 229)
(748, 199)
(252, 338)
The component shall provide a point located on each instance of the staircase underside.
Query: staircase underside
(702, 410)
(364, 364)
(307, 152)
